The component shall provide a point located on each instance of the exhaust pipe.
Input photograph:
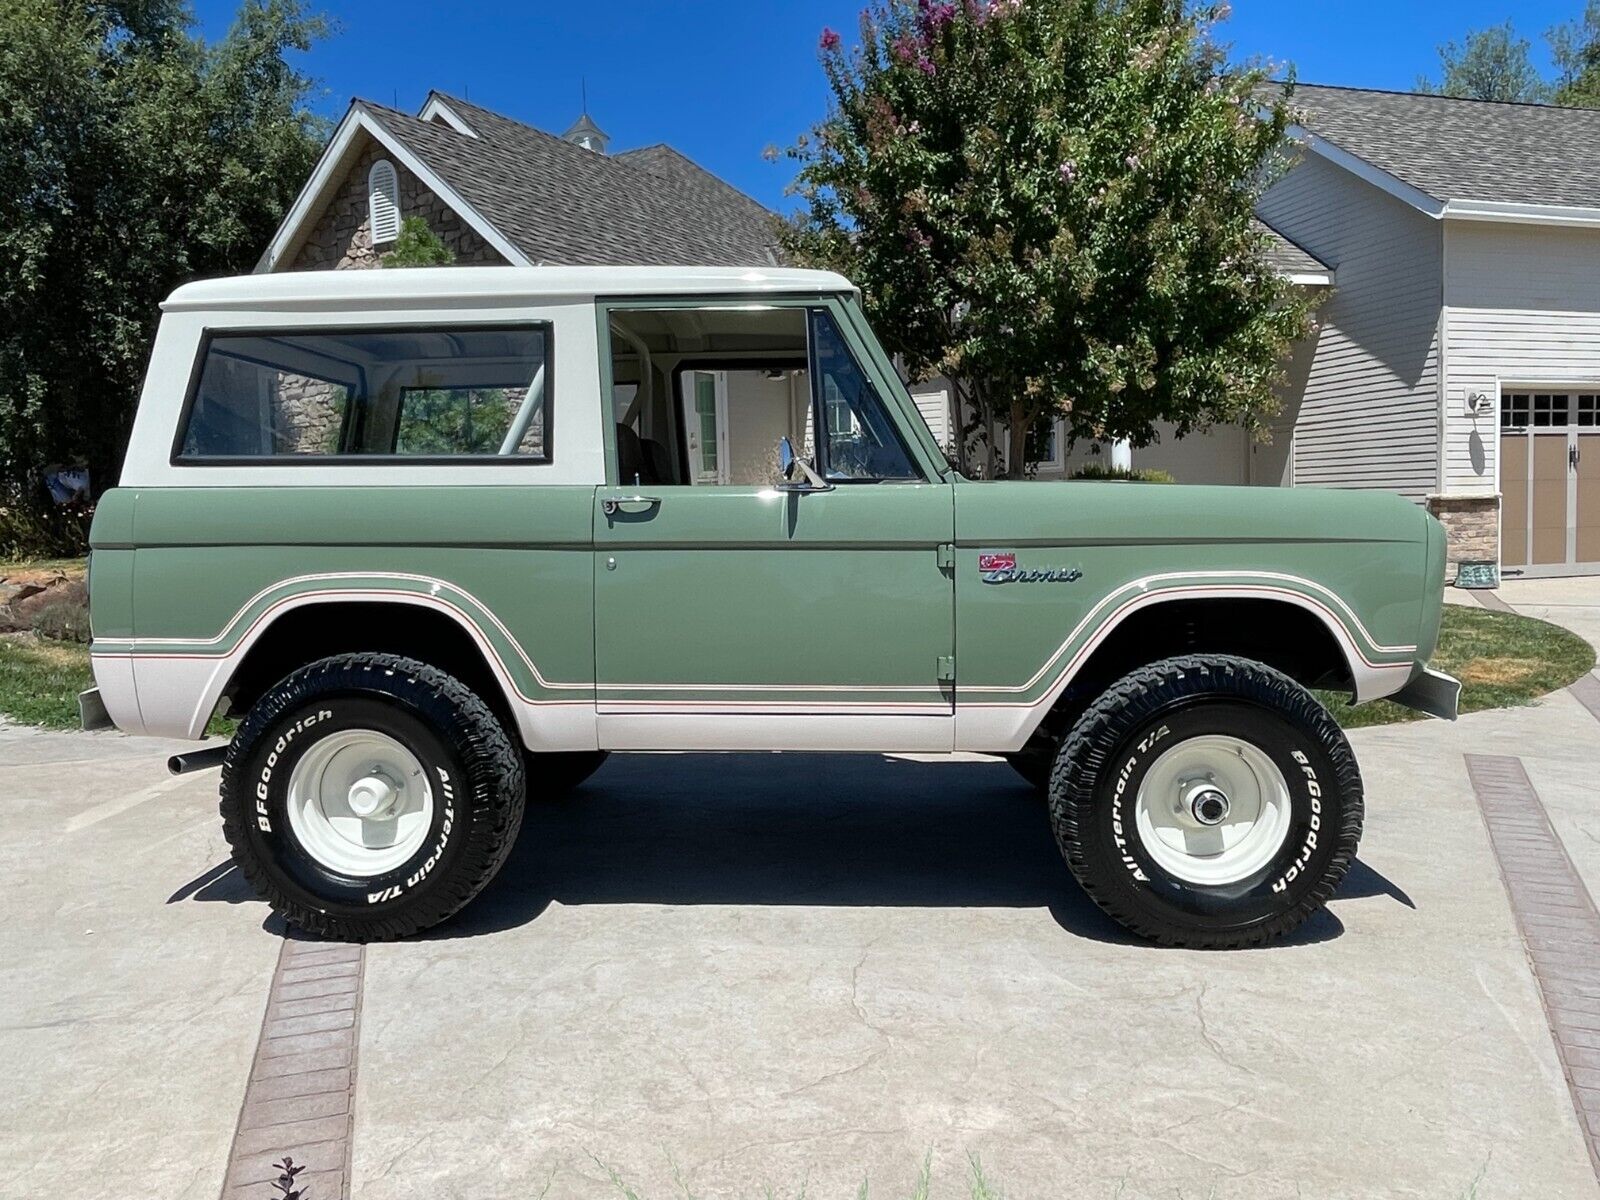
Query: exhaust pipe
(197, 760)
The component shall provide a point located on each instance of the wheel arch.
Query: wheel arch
(1286, 630)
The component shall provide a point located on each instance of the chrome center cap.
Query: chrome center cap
(1207, 804)
(373, 796)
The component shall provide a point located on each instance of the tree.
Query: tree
(1575, 50)
(1489, 64)
(1049, 202)
(133, 156)
(418, 246)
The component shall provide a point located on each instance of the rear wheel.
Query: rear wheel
(369, 796)
(1207, 802)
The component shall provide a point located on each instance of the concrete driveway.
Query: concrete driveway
(720, 974)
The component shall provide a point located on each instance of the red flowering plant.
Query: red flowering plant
(1049, 202)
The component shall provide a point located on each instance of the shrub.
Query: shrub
(63, 622)
(28, 532)
(1137, 475)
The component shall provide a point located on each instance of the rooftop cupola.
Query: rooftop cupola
(587, 134)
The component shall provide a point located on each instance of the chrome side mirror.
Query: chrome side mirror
(789, 462)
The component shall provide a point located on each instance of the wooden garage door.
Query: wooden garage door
(1550, 481)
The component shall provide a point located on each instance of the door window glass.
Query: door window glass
(861, 443)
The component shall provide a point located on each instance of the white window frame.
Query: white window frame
(383, 202)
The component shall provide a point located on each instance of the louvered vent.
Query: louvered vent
(383, 201)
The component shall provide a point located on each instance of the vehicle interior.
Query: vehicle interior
(706, 397)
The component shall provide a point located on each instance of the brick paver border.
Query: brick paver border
(299, 1098)
(1559, 925)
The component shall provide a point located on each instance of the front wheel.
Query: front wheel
(1208, 802)
(369, 796)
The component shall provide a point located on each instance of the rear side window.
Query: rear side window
(361, 393)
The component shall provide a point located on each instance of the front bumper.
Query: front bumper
(1431, 692)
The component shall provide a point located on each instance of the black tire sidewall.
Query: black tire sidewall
(264, 773)
(1288, 879)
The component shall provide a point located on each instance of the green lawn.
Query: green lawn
(40, 680)
(1502, 660)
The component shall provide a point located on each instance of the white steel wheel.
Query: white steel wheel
(360, 803)
(1213, 810)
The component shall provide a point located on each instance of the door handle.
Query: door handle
(612, 505)
(1573, 457)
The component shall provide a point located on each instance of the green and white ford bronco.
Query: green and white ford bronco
(446, 538)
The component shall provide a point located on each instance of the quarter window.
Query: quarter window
(435, 393)
(861, 442)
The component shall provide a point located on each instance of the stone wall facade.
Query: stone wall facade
(342, 236)
(1472, 525)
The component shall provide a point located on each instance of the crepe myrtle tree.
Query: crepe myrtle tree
(1049, 203)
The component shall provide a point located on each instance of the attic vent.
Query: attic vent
(383, 201)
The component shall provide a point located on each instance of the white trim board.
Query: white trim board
(438, 109)
(325, 176)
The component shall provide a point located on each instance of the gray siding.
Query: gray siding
(1367, 413)
(1522, 307)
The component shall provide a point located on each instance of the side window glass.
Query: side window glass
(423, 393)
(703, 396)
(860, 442)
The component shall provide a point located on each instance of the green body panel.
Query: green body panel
(836, 597)
(1358, 556)
(515, 562)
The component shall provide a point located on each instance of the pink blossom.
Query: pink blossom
(829, 40)
(904, 48)
(925, 65)
(1133, 162)
(1068, 171)
(915, 127)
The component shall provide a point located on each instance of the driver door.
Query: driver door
(731, 614)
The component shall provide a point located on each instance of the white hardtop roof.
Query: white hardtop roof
(424, 285)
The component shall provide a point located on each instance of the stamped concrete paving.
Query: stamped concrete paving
(129, 1007)
(773, 968)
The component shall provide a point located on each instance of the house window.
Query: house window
(1589, 410)
(1514, 410)
(383, 201)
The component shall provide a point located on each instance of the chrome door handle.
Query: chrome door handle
(612, 505)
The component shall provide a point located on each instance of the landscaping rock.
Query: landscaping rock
(24, 593)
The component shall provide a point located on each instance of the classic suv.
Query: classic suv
(442, 537)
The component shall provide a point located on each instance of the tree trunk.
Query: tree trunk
(1017, 442)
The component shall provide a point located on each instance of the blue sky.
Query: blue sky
(722, 79)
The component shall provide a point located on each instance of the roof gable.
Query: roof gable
(1455, 157)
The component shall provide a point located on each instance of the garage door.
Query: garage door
(1550, 482)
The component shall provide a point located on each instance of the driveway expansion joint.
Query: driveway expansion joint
(300, 1098)
(1559, 923)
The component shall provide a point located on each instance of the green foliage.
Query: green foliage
(1050, 204)
(133, 156)
(1488, 64)
(40, 681)
(63, 622)
(1136, 475)
(1575, 50)
(418, 246)
(29, 531)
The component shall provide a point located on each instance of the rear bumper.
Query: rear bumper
(1431, 692)
(92, 712)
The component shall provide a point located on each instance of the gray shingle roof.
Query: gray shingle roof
(1287, 256)
(1455, 149)
(559, 203)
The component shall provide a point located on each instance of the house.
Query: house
(497, 192)
(1453, 248)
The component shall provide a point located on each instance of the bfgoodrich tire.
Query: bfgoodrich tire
(369, 796)
(1208, 802)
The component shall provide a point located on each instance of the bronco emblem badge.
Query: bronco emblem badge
(1000, 566)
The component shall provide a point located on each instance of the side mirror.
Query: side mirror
(789, 462)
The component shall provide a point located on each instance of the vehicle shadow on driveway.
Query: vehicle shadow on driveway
(769, 829)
